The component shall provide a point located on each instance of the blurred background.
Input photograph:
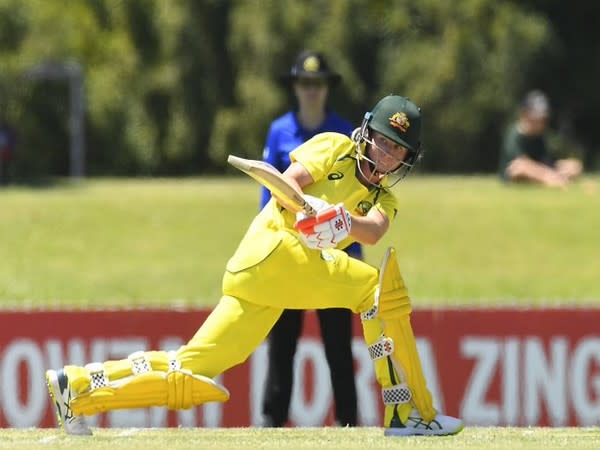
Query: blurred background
(171, 87)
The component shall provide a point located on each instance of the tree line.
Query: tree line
(172, 87)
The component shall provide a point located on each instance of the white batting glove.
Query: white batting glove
(327, 229)
(311, 241)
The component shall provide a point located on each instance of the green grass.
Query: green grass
(305, 438)
(460, 240)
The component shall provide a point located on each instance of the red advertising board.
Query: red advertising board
(489, 366)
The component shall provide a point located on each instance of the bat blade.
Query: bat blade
(274, 181)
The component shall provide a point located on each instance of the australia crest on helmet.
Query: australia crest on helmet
(400, 120)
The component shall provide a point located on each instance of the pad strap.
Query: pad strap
(174, 363)
(139, 363)
(98, 378)
(382, 348)
(372, 312)
(394, 395)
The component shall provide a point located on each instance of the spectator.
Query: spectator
(525, 155)
(310, 78)
(7, 149)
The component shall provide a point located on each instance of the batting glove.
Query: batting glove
(325, 230)
(312, 240)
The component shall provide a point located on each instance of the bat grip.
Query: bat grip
(309, 210)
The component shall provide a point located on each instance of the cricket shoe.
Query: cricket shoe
(416, 426)
(58, 387)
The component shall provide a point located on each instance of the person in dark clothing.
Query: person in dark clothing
(7, 150)
(524, 155)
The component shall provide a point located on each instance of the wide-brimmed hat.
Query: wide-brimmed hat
(310, 64)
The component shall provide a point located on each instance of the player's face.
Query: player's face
(387, 154)
(311, 92)
(535, 125)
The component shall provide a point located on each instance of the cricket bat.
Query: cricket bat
(274, 181)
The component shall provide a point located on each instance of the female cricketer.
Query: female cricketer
(293, 261)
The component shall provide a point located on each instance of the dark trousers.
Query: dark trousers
(336, 331)
(4, 173)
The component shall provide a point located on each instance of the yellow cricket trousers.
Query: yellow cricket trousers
(290, 277)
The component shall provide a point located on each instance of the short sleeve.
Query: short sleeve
(317, 155)
(387, 204)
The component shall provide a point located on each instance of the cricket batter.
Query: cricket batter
(293, 261)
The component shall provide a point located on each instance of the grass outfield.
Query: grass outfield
(461, 240)
(305, 438)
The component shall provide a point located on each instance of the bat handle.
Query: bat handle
(309, 210)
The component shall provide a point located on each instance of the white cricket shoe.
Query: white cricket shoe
(58, 387)
(415, 426)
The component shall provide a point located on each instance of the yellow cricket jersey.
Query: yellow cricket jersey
(330, 159)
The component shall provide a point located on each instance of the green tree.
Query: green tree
(172, 87)
(462, 61)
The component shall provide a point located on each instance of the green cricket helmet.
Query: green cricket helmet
(398, 119)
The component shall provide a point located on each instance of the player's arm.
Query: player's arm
(333, 223)
(524, 168)
(365, 229)
(299, 177)
(370, 228)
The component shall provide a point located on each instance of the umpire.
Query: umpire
(310, 80)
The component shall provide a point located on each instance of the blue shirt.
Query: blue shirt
(285, 134)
